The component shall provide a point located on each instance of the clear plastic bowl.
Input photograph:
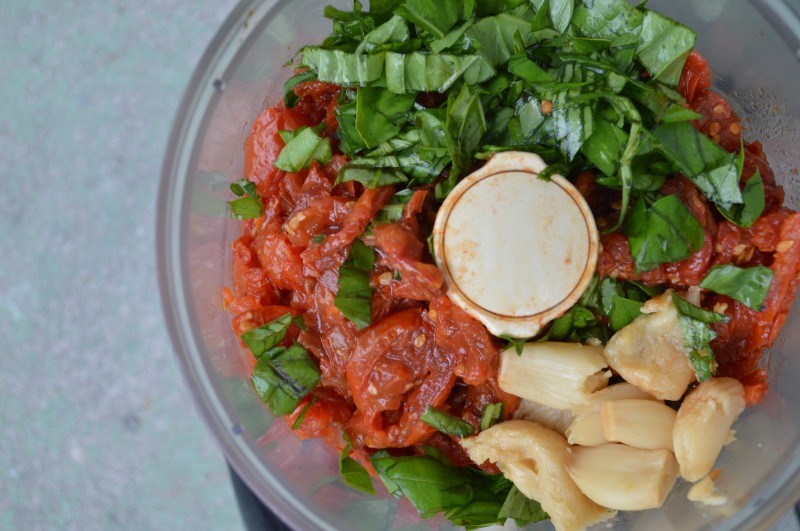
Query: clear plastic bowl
(752, 46)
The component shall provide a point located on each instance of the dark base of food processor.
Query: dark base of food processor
(256, 515)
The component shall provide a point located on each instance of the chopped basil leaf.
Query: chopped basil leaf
(378, 112)
(746, 214)
(573, 326)
(466, 496)
(703, 361)
(465, 126)
(430, 485)
(517, 343)
(371, 177)
(707, 165)
(302, 416)
(343, 68)
(267, 336)
(446, 423)
(746, 285)
(354, 297)
(604, 148)
(289, 97)
(247, 208)
(664, 45)
(623, 311)
(283, 376)
(436, 18)
(393, 210)
(394, 30)
(561, 14)
(694, 312)
(353, 473)
(666, 232)
(492, 414)
(697, 336)
(303, 147)
(522, 509)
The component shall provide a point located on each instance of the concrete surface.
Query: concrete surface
(97, 430)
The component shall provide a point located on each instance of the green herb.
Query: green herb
(697, 336)
(283, 376)
(623, 311)
(465, 126)
(302, 415)
(378, 112)
(746, 214)
(446, 423)
(303, 146)
(353, 473)
(466, 496)
(393, 210)
(666, 232)
(575, 326)
(664, 46)
(707, 165)
(371, 178)
(746, 285)
(517, 343)
(249, 205)
(522, 509)
(492, 414)
(289, 97)
(354, 297)
(267, 336)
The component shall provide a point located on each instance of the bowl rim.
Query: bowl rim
(772, 501)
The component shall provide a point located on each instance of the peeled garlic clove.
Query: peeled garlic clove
(649, 352)
(640, 423)
(587, 427)
(554, 419)
(533, 458)
(622, 477)
(703, 424)
(559, 375)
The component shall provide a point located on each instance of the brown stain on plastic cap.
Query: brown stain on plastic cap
(516, 251)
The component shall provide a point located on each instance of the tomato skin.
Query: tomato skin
(264, 144)
(469, 343)
(281, 260)
(402, 251)
(696, 76)
(318, 102)
(395, 372)
(323, 256)
(325, 418)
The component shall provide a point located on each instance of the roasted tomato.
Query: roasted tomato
(395, 372)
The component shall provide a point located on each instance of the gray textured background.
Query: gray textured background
(97, 430)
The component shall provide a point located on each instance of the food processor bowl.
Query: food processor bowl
(751, 46)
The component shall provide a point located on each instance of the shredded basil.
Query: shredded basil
(746, 285)
(302, 415)
(466, 496)
(492, 414)
(522, 509)
(697, 336)
(283, 376)
(665, 232)
(302, 147)
(267, 336)
(354, 297)
(446, 423)
(249, 205)
(353, 473)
